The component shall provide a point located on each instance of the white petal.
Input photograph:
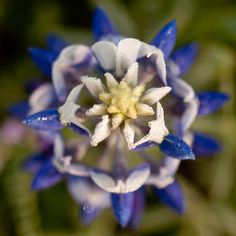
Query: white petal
(41, 98)
(181, 89)
(153, 95)
(144, 110)
(129, 133)
(106, 53)
(97, 110)
(137, 178)
(102, 131)
(58, 147)
(157, 130)
(74, 94)
(131, 76)
(110, 80)
(93, 85)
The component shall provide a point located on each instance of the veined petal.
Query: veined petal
(205, 145)
(131, 76)
(184, 57)
(211, 101)
(46, 177)
(102, 24)
(47, 120)
(172, 196)
(94, 85)
(129, 133)
(42, 98)
(165, 39)
(97, 110)
(154, 95)
(174, 147)
(102, 131)
(106, 53)
(181, 89)
(122, 205)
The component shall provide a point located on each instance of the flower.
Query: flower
(124, 114)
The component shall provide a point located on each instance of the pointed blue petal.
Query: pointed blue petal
(46, 177)
(56, 43)
(88, 213)
(78, 129)
(122, 205)
(144, 146)
(138, 207)
(185, 56)
(34, 162)
(211, 101)
(174, 147)
(43, 59)
(165, 39)
(205, 145)
(20, 110)
(47, 120)
(172, 196)
(102, 24)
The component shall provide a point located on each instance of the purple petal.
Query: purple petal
(88, 213)
(174, 147)
(185, 56)
(172, 196)
(47, 120)
(43, 59)
(102, 24)
(122, 205)
(204, 145)
(211, 101)
(20, 110)
(46, 177)
(78, 129)
(56, 43)
(165, 39)
(138, 207)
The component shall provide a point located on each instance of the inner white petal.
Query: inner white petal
(129, 133)
(97, 110)
(131, 76)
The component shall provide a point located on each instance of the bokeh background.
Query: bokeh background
(209, 184)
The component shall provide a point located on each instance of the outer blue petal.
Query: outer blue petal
(78, 129)
(102, 24)
(43, 59)
(176, 148)
(47, 120)
(204, 145)
(165, 39)
(122, 205)
(46, 177)
(211, 102)
(172, 196)
(138, 207)
(185, 56)
(20, 110)
(144, 146)
(88, 213)
(55, 43)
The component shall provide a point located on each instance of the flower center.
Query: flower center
(122, 99)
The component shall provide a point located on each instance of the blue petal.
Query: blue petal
(47, 120)
(174, 147)
(122, 205)
(46, 177)
(88, 213)
(138, 207)
(165, 39)
(172, 196)
(204, 145)
(102, 24)
(35, 162)
(20, 110)
(78, 129)
(43, 59)
(144, 146)
(56, 43)
(211, 101)
(185, 56)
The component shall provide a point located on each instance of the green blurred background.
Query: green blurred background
(209, 185)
